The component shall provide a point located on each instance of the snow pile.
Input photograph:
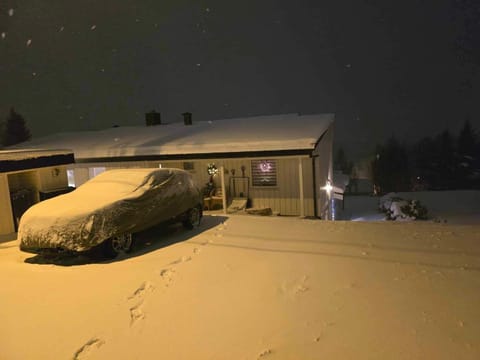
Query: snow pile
(397, 208)
(454, 207)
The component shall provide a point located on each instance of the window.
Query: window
(71, 177)
(264, 173)
(188, 165)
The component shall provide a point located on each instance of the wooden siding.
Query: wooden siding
(283, 198)
(53, 178)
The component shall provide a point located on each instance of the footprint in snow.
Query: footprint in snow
(145, 287)
(265, 353)
(181, 260)
(87, 348)
(167, 276)
(136, 313)
(295, 287)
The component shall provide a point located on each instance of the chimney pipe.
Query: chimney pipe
(187, 118)
(152, 118)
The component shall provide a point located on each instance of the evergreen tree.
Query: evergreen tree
(15, 130)
(444, 161)
(341, 163)
(421, 158)
(390, 167)
(466, 152)
(467, 140)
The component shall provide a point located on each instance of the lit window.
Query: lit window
(264, 173)
(71, 177)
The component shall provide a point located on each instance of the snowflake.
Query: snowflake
(4, 35)
(11, 12)
(29, 42)
(61, 29)
(199, 64)
(93, 27)
(207, 9)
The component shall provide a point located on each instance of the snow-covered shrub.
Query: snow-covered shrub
(415, 210)
(397, 208)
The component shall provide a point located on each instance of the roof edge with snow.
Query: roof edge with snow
(25, 159)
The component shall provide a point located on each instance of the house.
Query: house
(26, 177)
(281, 162)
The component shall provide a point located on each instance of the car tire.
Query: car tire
(118, 244)
(193, 218)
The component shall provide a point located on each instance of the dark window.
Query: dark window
(264, 173)
(188, 165)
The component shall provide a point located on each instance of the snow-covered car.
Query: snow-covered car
(108, 209)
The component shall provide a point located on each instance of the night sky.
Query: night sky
(406, 68)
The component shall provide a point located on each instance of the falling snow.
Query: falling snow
(4, 35)
(29, 42)
(93, 27)
(10, 12)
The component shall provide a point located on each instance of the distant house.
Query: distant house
(26, 177)
(280, 162)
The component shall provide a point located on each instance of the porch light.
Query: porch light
(328, 187)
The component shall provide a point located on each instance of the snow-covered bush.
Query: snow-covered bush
(397, 208)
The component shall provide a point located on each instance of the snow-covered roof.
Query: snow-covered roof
(23, 159)
(26, 154)
(262, 133)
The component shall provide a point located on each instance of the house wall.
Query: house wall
(323, 159)
(42, 179)
(6, 218)
(25, 180)
(283, 198)
(52, 178)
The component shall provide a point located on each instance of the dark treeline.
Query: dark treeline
(442, 162)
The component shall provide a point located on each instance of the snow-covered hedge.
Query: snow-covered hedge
(397, 208)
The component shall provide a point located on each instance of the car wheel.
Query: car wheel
(194, 215)
(122, 243)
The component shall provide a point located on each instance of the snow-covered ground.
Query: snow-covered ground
(251, 287)
(453, 207)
